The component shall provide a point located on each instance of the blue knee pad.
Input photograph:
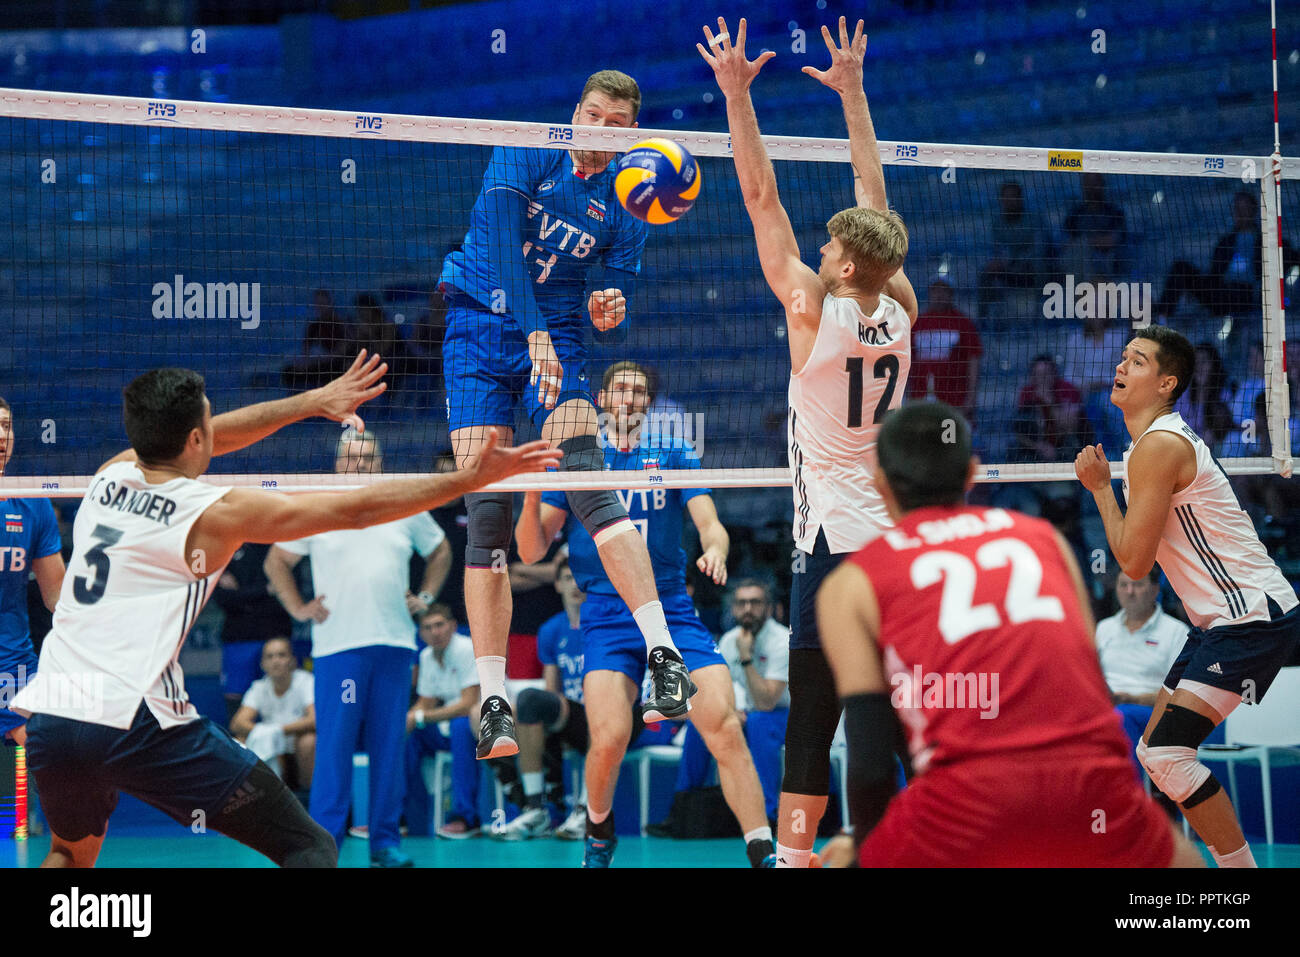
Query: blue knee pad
(537, 706)
(596, 509)
(488, 528)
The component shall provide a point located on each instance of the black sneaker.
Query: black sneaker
(496, 730)
(671, 687)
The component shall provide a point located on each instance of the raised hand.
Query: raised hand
(845, 72)
(733, 72)
(338, 400)
(1091, 467)
(495, 462)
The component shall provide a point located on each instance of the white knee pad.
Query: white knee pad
(1175, 771)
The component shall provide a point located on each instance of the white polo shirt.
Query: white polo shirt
(771, 661)
(364, 574)
(281, 709)
(1136, 662)
(446, 679)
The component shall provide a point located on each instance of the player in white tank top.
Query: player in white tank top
(855, 373)
(148, 541)
(849, 326)
(1183, 514)
(1209, 549)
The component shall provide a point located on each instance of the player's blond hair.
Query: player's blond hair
(874, 241)
(615, 84)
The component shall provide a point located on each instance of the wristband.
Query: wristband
(419, 718)
(427, 597)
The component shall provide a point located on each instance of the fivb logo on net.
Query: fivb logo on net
(1130, 301)
(179, 299)
(666, 431)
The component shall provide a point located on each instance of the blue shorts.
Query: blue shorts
(80, 767)
(611, 640)
(809, 573)
(486, 367)
(1243, 659)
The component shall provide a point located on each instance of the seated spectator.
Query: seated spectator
(1088, 359)
(757, 651)
(1230, 286)
(1049, 424)
(425, 336)
(1248, 435)
(946, 353)
(327, 347)
(377, 333)
(1137, 647)
(252, 615)
(277, 719)
(546, 720)
(1019, 256)
(1204, 406)
(1096, 233)
(447, 690)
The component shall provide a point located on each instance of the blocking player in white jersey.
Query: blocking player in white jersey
(108, 710)
(1183, 514)
(849, 328)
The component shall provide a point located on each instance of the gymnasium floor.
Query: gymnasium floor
(154, 847)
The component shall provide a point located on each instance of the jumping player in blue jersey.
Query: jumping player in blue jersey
(613, 665)
(29, 544)
(545, 222)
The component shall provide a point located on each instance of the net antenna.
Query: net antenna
(243, 192)
(1279, 397)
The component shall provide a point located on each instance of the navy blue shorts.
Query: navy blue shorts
(1243, 659)
(486, 367)
(809, 573)
(611, 640)
(80, 767)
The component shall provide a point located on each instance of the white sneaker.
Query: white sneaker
(533, 822)
(574, 827)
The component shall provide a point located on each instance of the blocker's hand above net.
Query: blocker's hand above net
(844, 75)
(338, 400)
(730, 68)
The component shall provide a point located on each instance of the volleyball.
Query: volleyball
(657, 181)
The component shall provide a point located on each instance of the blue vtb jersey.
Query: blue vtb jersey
(30, 532)
(573, 223)
(656, 513)
(560, 645)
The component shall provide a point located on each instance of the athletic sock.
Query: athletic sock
(654, 627)
(1241, 857)
(534, 782)
(491, 677)
(763, 833)
(602, 829)
(792, 857)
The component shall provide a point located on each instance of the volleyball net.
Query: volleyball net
(260, 246)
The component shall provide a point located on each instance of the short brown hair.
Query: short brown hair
(875, 241)
(438, 608)
(627, 365)
(616, 84)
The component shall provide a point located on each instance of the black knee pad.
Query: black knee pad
(810, 728)
(1202, 794)
(596, 509)
(537, 706)
(1180, 727)
(488, 529)
(264, 815)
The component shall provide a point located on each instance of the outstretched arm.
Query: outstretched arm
(797, 286)
(844, 76)
(337, 400)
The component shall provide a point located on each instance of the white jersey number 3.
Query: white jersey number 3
(958, 617)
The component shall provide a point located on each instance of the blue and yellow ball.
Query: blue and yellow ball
(657, 181)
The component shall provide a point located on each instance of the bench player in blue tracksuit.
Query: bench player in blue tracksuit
(614, 665)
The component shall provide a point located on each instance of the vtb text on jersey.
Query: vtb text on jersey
(856, 373)
(129, 598)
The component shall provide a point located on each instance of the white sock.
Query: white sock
(654, 627)
(534, 781)
(491, 676)
(1241, 857)
(763, 833)
(792, 857)
(597, 816)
